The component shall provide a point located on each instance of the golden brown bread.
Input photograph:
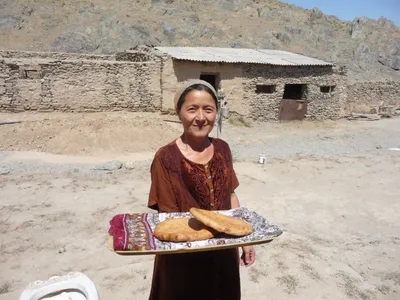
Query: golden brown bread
(222, 223)
(182, 230)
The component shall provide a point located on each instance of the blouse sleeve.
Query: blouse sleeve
(233, 177)
(161, 196)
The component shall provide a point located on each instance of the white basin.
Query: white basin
(74, 286)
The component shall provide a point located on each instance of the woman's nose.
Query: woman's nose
(200, 115)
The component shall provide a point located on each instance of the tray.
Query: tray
(132, 234)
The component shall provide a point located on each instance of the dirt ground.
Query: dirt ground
(333, 187)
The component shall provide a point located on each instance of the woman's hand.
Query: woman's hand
(248, 256)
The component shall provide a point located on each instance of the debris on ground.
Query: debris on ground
(109, 166)
(364, 117)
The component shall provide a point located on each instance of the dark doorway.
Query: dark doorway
(294, 91)
(211, 79)
(293, 104)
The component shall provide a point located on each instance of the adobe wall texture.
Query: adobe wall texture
(78, 85)
(230, 78)
(320, 106)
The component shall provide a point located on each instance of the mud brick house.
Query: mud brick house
(257, 83)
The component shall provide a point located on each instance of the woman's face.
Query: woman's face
(198, 113)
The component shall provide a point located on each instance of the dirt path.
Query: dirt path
(333, 187)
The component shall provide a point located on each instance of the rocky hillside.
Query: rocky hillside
(369, 48)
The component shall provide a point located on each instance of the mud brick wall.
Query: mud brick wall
(78, 85)
(365, 97)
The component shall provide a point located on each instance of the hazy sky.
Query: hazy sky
(349, 9)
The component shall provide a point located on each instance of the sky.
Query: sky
(347, 10)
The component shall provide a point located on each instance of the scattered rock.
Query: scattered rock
(27, 11)
(283, 37)
(373, 111)
(363, 56)
(168, 30)
(8, 21)
(162, 1)
(391, 57)
(385, 23)
(211, 33)
(62, 250)
(130, 165)
(5, 171)
(73, 42)
(358, 28)
(263, 12)
(109, 166)
(364, 117)
(90, 8)
(315, 15)
(228, 5)
(395, 63)
(136, 35)
(293, 30)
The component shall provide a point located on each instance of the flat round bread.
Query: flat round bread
(222, 223)
(182, 230)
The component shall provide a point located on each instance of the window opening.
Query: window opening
(327, 88)
(265, 89)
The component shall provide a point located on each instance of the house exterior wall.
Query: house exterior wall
(79, 85)
(230, 75)
(239, 84)
(265, 107)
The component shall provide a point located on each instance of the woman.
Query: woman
(196, 171)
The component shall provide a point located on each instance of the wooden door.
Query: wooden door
(292, 109)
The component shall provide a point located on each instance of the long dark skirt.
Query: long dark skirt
(208, 275)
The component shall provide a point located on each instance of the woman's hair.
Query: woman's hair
(197, 87)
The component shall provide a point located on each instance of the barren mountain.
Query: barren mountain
(369, 48)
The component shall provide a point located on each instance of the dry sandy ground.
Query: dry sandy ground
(337, 201)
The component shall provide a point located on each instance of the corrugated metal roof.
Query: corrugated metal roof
(235, 55)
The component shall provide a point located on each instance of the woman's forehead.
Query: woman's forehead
(198, 96)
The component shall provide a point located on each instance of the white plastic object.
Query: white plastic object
(261, 159)
(73, 286)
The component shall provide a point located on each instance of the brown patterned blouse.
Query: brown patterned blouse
(179, 184)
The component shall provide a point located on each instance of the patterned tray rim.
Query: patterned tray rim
(110, 246)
